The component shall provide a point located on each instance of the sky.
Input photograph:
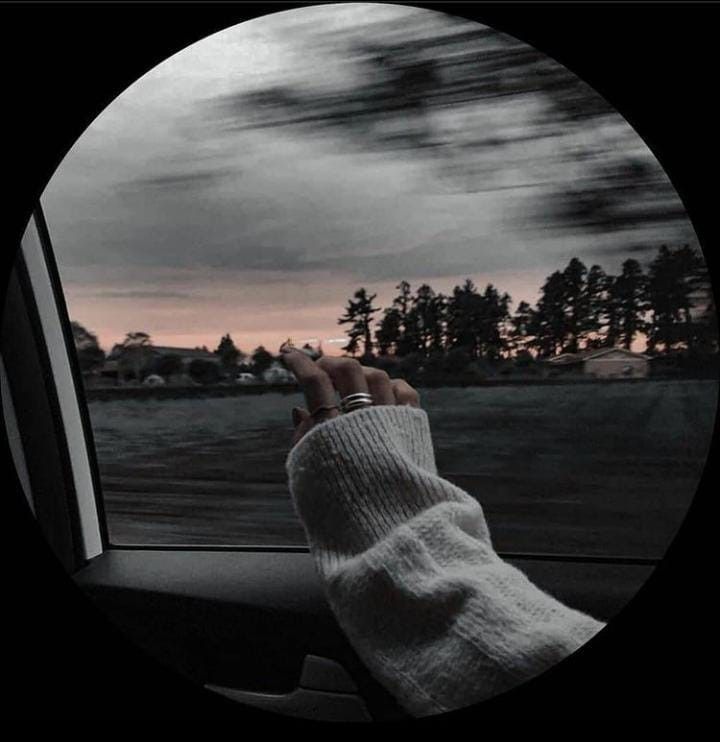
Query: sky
(167, 220)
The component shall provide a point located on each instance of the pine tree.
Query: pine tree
(425, 319)
(463, 317)
(612, 313)
(492, 315)
(629, 292)
(227, 352)
(359, 315)
(407, 335)
(438, 322)
(594, 300)
(261, 360)
(388, 332)
(549, 322)
(89, 353)
(520, 326)
(674, 283)
(575, 304)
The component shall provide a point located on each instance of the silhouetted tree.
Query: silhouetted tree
(427, 319)
(388, 333)
(227, 352)
(549, 323)
(493, 312)
(575, 304)
(89, 353)
(134, 354)
(261, 360)
(464, 313)
(674, 282)
(358, 314)
(520, 326)
(595, 298)
(628, 293)
(407, 341)
(612, 316)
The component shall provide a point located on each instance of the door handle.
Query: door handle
(326, 693)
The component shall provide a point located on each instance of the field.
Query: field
(601, 469)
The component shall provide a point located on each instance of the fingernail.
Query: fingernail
(296, 416)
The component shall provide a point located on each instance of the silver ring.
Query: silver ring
(355, 401)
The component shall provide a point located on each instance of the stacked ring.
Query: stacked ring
(355, 402)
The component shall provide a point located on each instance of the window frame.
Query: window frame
(41, 394)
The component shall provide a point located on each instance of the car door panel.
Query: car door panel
(245, 622)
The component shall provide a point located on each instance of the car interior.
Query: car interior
(247, 622)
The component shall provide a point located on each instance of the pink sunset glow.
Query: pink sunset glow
(194, 322)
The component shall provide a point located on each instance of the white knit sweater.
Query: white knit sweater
(409, 569)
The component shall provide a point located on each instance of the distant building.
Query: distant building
(187, 355)
(119, 368)
(601, 363)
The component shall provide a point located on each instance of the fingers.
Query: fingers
(404, 393)
(346, 374)
(320, 379)
(303, 421)
(379, 385)
(314, 382)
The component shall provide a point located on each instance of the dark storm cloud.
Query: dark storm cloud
(645, 250)
(181, 180)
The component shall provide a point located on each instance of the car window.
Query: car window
(392, 184)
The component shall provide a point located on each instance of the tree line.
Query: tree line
(138, 357)
(669, 304)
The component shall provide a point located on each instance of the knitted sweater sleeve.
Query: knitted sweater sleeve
(409, 569)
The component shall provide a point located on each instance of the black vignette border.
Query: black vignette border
(654, 62)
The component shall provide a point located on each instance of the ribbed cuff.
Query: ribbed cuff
(358, 476)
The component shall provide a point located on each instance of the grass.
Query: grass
(591, 469)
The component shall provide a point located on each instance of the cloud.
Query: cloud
(179, 180)
(138, 294)
(164, 212)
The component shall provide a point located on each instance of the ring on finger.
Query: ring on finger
(355, 401)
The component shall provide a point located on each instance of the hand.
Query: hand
(322, 380)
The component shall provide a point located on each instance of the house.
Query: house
(601, 363)
(186, 355)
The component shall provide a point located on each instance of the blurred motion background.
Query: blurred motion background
(498, 210)
(250, 183)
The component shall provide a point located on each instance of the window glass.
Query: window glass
(501, 235)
